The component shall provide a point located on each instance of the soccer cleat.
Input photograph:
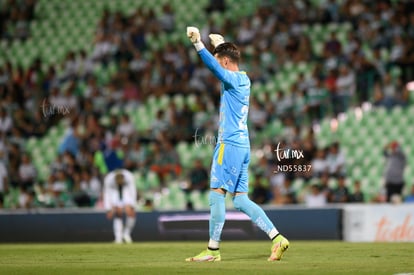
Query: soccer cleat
(279, 246)
(206, 256)
(127, 238)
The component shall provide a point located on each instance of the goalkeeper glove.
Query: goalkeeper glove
(194, 34)
(216, 39)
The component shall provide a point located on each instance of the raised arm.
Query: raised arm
(222, 74)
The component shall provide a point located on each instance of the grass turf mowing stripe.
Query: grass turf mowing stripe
(242, 257)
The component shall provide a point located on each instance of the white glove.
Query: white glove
(194, 34)
(216, 39)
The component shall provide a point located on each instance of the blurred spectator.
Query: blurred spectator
(357, 196)
(54, 101)
(69, 67)
(388, 92)
(138, 64)
(257, 115)
(284, 193)
(330, 84)
(185, 120)
(160, 164)
(4, 185)
(198, 177)
(71, 103)
(261, 193)
(14, 159)
(167, 18)
(107, 158)
(39, 124)
(246, 33)
(57, 165)
(26, 198)
(172, 159)
(70, 166)
(216, 5)
(365, 72)
(319, 164)
(85, 156)
(136, 159)
(6, 122)
(316, 97)
(283, 104)
(345, 85)
(104, 48)
(125, 128)
(331, 11)
(340, 194)
(58, 187)
(332, 45)
(325, 186)
(314, 196)
(299, 107)
(49, 81)
(159, 124)
(21, 122)
(88, 189)
(148, 205)
(336, 160)
(394, 169)
(84, 65)
(397, 49)
(15, 19)
(27, 172)
(132, 95)
(71, 141)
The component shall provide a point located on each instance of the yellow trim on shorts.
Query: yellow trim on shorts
(220, 154)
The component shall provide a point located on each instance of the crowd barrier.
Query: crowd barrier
(354, 223)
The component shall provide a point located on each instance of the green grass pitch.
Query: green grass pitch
(238, 257)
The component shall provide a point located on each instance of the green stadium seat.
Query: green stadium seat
(31, 143)
(153, 180)
(140, 182)
(43, 172)
(179, 101)
(298, 185)
(11, 200)
(177, 198)
(199, 200)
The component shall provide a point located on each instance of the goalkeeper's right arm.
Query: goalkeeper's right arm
(194, 34)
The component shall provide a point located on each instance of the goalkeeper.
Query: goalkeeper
(229, 170)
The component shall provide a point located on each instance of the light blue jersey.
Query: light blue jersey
(234, 102)
(231, 158)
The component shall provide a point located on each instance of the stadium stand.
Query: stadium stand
(83, 65)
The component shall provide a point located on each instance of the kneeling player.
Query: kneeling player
(120, 196)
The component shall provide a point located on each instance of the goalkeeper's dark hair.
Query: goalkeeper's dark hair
(228, 49)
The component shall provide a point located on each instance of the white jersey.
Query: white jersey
(119, 197)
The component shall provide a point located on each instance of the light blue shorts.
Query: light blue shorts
(229, 169)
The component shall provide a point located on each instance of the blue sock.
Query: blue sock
(255, 212)
(217, 215)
